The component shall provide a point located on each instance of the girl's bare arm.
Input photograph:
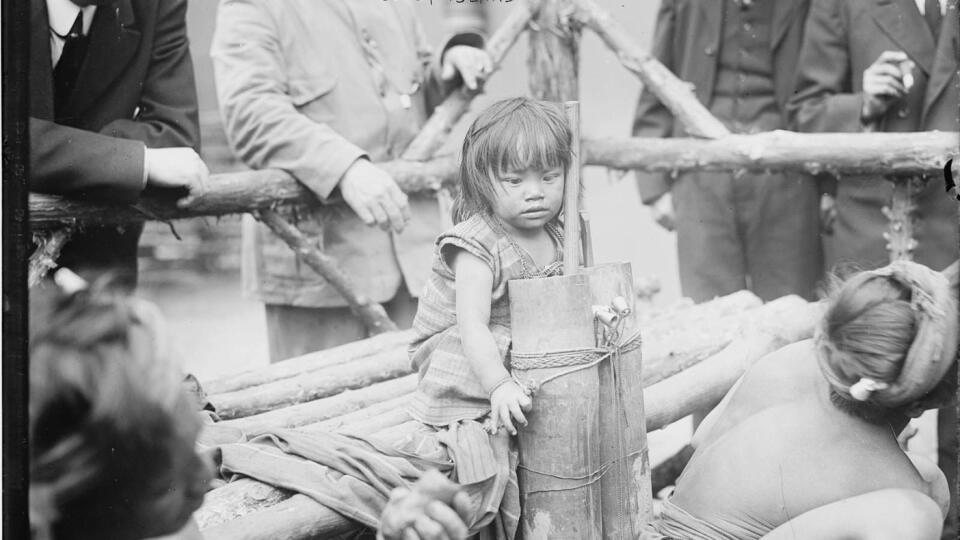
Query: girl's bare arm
(474, 285)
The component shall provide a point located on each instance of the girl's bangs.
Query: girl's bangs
(529, 144)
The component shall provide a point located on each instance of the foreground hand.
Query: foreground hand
(663, 213)
(434, 509)
(509, 400)
(177, 168)
(883, 84)
(374, 196)
(471, 63)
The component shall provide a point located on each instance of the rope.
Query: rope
(593, 476)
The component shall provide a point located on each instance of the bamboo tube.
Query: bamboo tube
(324, 409)
(342, 354)
(837, 153)
(675, 94)
(702, 386)
(560, 446)
(625, 493)
(313, 385)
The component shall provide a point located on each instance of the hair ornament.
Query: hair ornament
(862, 389)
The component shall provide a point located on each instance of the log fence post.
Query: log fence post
(372, 314)
(674, 93)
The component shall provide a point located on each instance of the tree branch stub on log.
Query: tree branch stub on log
(372, 314)
(674, 93)
(44, 258)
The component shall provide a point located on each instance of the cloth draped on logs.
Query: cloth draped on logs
(353, 475)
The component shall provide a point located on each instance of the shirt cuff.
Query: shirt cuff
(143, 183)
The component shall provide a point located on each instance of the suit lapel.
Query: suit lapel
(945, 63)
(784, 13)
(41, 67)
(114, 40)
(901, 20)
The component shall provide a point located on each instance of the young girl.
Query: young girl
(511, 191)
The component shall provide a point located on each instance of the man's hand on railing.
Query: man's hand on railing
(663, 212)
(375, 196)
(178, 168)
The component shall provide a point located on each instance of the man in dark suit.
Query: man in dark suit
(113, 109)
(885, 65)
(750, 230)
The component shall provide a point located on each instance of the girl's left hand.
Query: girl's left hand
(509, 400)
(471, 63)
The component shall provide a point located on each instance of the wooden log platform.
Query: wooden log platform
(248, 509)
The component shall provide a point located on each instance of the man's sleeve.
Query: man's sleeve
(75, 162)
(168, 101)
(652, 118)
(109, 165)
(823, 100)
(262, 124)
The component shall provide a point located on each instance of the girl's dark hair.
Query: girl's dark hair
(513, 134)
(108, 421)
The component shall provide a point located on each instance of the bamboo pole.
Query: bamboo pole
(674, 93)
(313, 385)
(326, 408)
(572, 194)
(445, 116)
(44, 258)
(292, 367)
(837, 153)
(372, 314)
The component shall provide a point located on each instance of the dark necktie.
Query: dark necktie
(65, 73)
(932, 15)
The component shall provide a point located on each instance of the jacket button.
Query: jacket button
(902, 112)
(710, 50)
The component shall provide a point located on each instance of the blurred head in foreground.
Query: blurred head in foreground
(111, 431)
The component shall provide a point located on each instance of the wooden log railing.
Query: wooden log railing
(841, 154)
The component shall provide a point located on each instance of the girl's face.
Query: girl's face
(527, 200)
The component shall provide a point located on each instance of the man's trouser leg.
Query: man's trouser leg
(295, 331)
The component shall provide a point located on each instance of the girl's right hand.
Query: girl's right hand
(508, 400)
